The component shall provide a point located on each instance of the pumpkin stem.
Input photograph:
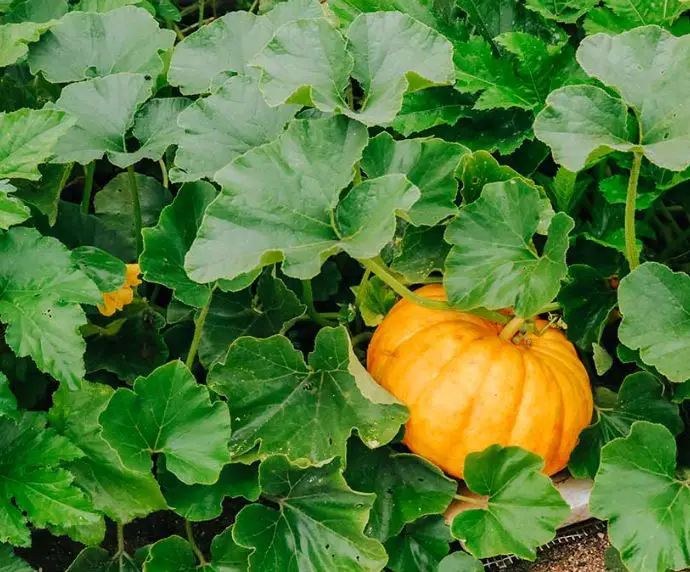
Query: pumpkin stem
(511, 328)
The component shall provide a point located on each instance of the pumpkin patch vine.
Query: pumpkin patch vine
(282, 281)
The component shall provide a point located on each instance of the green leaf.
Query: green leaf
(407, 487)
(493, 263)
(523, 508)
(95, 559)
(8, 402)
(104, 5)
(318, 525)
(40, 303)
(29, 138)
(166, 244)
(620, 15)
(35, 487)
(271, 309)
(205, 502)
(223, 126)
(375, 300)
(12, 210)
(494, 17)
(481, 168)
(385, 69)
(654, 302)
(567, 11)
(421, 252)
(640, 398)
(168, 412)
(430, 107)
(268, 212)
(171, 553)
(113, 205)
(15, 40)
(584, 122)
(204, 59)
(587, 299)
(116, 491)
(104, 109)
(11, 563)
(601, 358)
(305, 411)
(421, 545)
(615, 190)
(637, 491)
(135, 350)
(460, 562)
(85, 45)
(106, 271)
(45, 194)
(427, 163)
(41, 11)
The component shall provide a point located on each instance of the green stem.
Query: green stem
(178, 32)
(89, 172)
(192, 542)
(361, 337)
(198, 328)
(511, 328)
(202, 9)
(308, 296)
(552, 307)
(136, 206)
(120, 537)
(254, 6)
(630, 243)
(164, 173)
(188, 10)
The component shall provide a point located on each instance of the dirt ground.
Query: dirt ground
(586, 555)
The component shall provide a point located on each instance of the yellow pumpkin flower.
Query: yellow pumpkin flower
(114, 301)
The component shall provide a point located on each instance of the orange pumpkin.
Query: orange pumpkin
(467, 388)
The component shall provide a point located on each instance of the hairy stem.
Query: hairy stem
(552, 307)
(89, 172)
(360, 338)
(467, 499)
(630, 242)
(195, 548)
(308, 298)
(164, 173)
(136, 206)
(198, 328)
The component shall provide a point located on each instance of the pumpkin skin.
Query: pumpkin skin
(466, 388)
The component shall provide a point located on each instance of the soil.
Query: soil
(586, 555)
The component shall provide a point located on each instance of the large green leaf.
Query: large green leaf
(113, 205)
(166, 244)
(40, 303)
(95, 559)
(523, 508)
(270, 211)
(493, 263)
(460, 562)
(407, 487)
(429, 164)
(205, 59)
(8, 402)
(104, 109)
(41, 11)
(421, 545)
(107, 271)
(620, 15)
(35, 488)
(648, 67)
(640, 398)
(15, 40)
(655, 302)
(136, 349)
(421, 251)
(637, 491)
(205, 502)
(568, 11)
(386, 67)
(587, 298)
(28, 139)
(481, 168)
(493, 17)
(12, 210)
(317, 526)
(168, 412)
(116, 491)
(84, 45)
(281, 405)
(44, 195)
(225, 125)
(269, 309)
(430, 107)
(11, 563)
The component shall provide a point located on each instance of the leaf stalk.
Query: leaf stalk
(89, 172)
(198, 329)
(136, 206)
(190, 537)
(308, 296)
(631, 252)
